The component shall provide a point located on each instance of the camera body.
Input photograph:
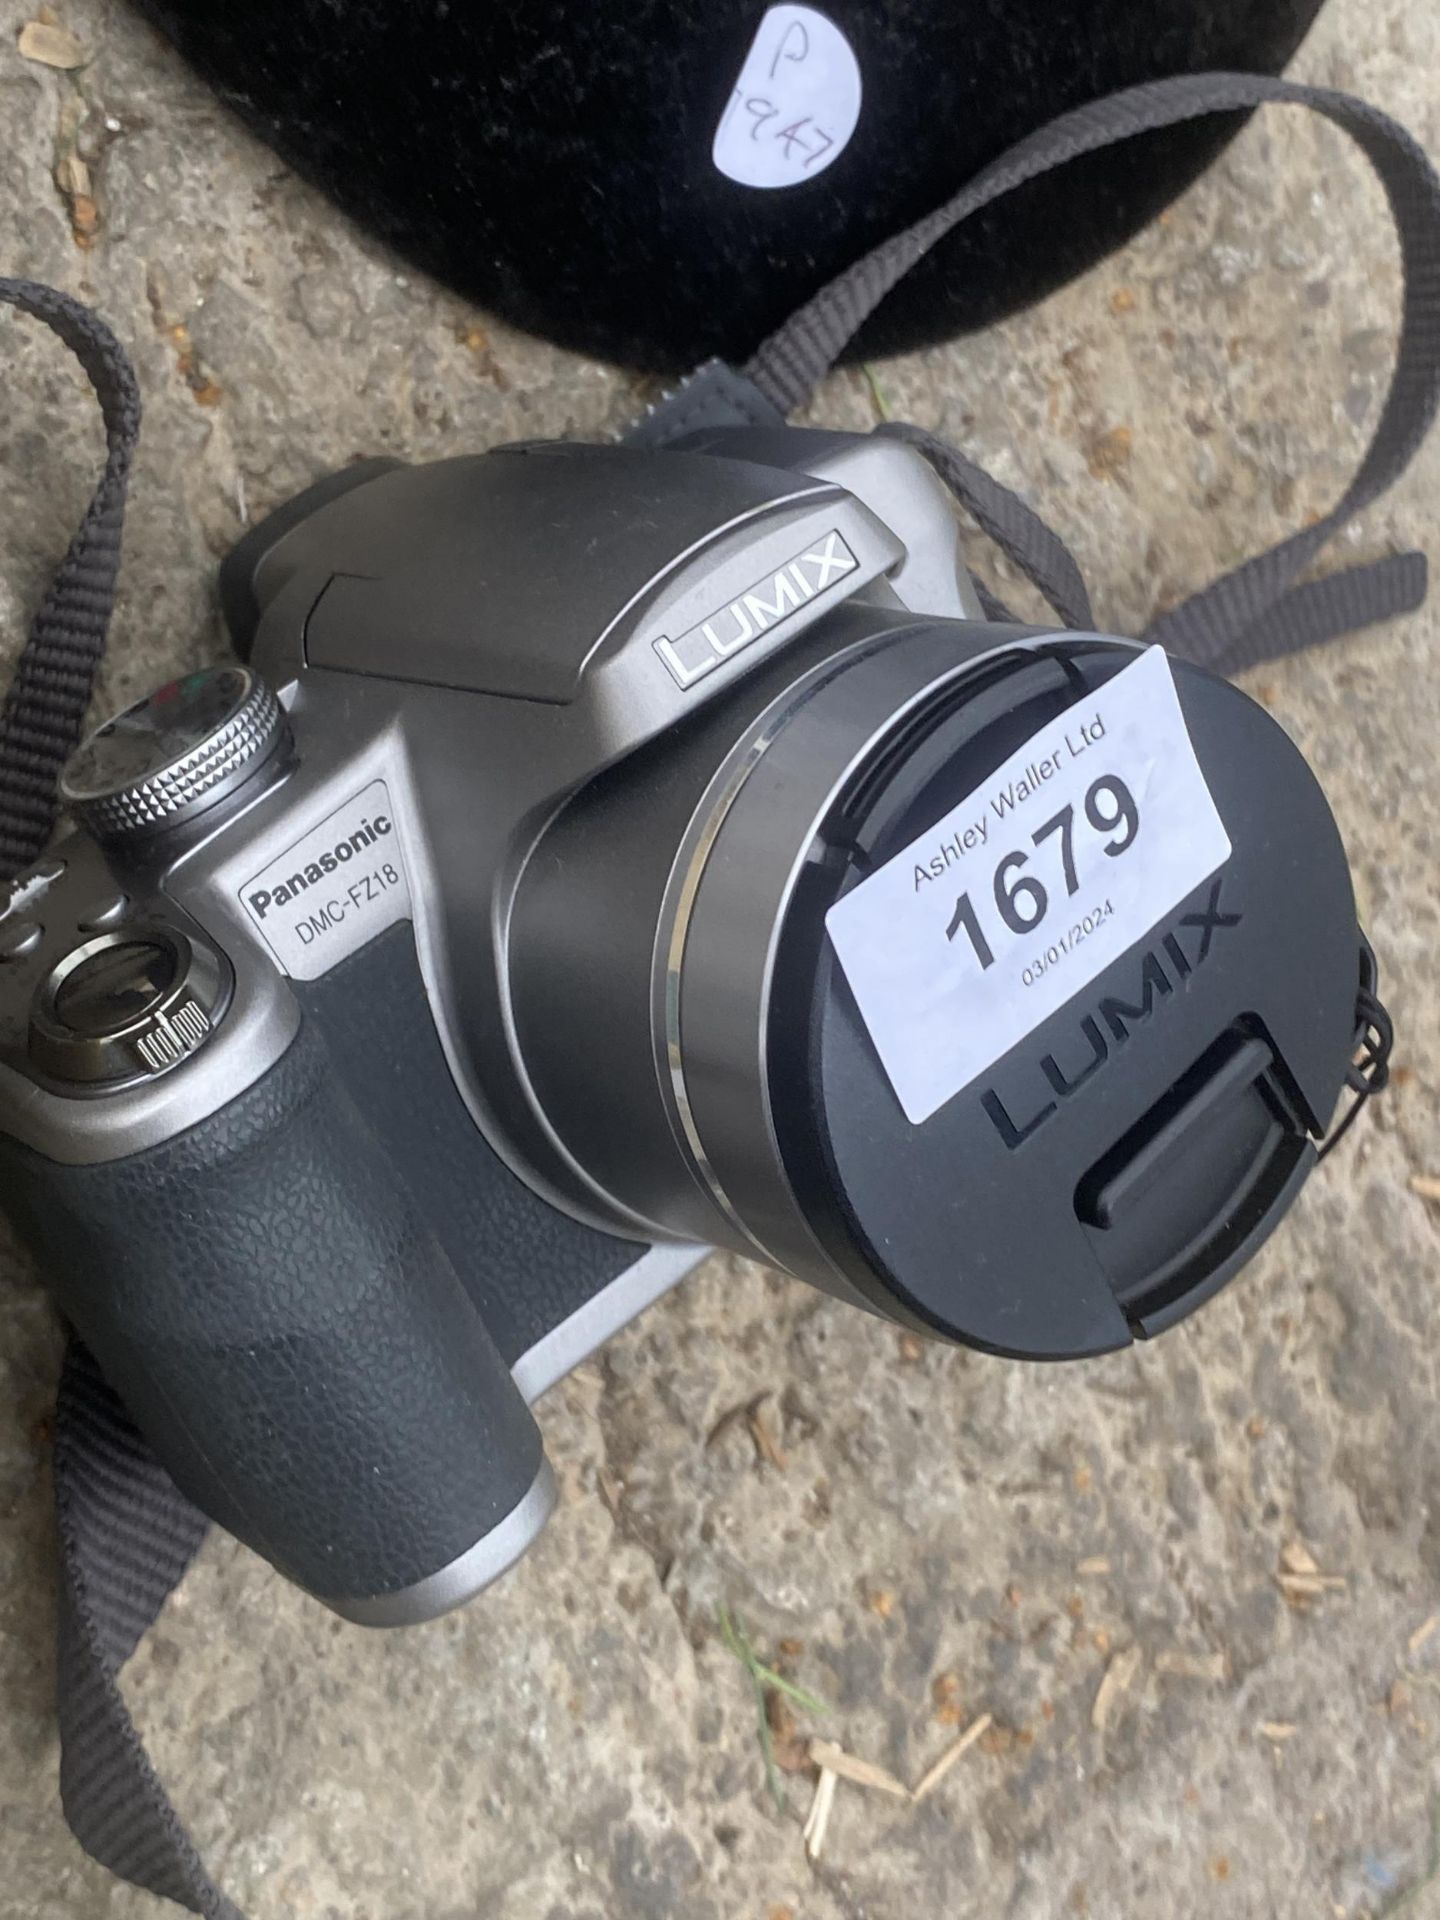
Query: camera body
(413, 1004)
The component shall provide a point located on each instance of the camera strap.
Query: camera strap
(45, 707)
(126, 1534)
(1255, 612)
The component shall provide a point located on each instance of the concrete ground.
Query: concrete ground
(934, 1535)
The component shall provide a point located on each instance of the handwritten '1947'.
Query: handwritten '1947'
(802, 134)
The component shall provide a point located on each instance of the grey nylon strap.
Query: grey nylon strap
(127, 1536)
(1039, 552)
(126, 1533)
(44, 710)
(1250, 614)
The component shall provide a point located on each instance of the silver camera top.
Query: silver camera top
(619, 733)
(455, 648)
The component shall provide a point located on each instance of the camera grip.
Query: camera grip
(286, 1330)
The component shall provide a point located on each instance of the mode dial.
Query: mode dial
(176, 753)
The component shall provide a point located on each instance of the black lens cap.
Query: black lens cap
(1119, 1162)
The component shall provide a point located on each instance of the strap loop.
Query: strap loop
(1015, 527)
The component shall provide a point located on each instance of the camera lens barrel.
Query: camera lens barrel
(599, 934)
(702, 1053)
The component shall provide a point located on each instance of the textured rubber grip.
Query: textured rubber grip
(526, 1266)
(288, 1333)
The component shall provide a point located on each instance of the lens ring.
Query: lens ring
(710, 996)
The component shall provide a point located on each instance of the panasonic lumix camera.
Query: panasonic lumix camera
(597, 854)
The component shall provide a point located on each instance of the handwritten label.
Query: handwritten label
(1084, 840)
(795, 105)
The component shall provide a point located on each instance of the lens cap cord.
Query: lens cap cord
(1370, 1069)
(127, 1534)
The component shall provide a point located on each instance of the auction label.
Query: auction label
(1011, 904)
(795, 105)
(335, 889)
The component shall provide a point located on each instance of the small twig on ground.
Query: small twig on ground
(732, 1417)
(818, 1818)
(835, 1764)
(933, 1775)
(51, 46)
(1309, 1586)
(863, 1773)
(1192, 1666)
(1300, 1578)
(1118, 1677)
(766, 1445)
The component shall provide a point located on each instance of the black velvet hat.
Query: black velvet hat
(655, 181)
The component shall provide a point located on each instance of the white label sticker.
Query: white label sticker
(1013, 902)
(795, 105)
(335, 889)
